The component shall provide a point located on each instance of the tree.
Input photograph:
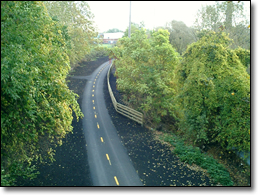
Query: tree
(36, 104)
(228, 17)
(144, 68)
(180, 35)
(77, 20)
(114, 30)
(214, 94)
(134, 28)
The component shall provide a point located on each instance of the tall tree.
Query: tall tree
(134, 28)
(180, 35)
(36, 104)
(77, 18)
(228, 17)
(114, 30)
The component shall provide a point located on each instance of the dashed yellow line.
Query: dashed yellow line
(92, 95)
(101, 138)
(94, 107)
(93, 86)
(93, 90)
(117, 183)
(108, 159)
(93, 101)
(95, 116)
(94, 82)
(97, 125)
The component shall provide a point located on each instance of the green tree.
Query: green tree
(180, 35)
(36, 104)
(114, 30)
(214, 94)
(134, 28)
(78, 20)
(228, 17)
(145, 73)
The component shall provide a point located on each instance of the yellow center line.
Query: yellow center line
(108, 159)
(97, 125)
(92, 95)
(94, 82)
(117, 183)
(93, 86)
(101, 138)
(93, 90)
(95, 116)
(94, 107)
(93, 101)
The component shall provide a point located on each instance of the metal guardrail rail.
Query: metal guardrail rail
(120, 108)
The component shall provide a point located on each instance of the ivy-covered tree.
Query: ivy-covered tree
(214, 94)
(36, 104)
(244, 57)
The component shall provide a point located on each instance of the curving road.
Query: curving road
(108, 160)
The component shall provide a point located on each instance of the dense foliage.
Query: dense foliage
(244, 57)
(180, 35)
(145, 70)
(214, 94)
(207, 91)
(36, 104)
(226, 16)
(78, 26)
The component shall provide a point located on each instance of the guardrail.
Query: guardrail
(122, 109)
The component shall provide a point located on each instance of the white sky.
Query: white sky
(115, 14)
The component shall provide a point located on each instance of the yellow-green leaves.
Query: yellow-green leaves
(145, 69)
(36, 104)
(76, 21)
(214, 94)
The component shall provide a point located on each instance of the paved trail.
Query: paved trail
(108, 160)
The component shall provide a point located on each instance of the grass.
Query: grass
(107, 45)
(193, 155)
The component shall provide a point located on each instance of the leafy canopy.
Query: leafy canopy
(36, 104)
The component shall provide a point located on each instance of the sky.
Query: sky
(115, 14)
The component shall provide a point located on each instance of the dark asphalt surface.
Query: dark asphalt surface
(107, 157)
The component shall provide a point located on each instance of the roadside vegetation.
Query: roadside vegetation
(39, 46)
(200, 92)
(193, 82)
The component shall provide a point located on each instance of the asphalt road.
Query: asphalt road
(108, 160)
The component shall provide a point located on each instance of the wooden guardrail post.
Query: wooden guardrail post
(122, 109)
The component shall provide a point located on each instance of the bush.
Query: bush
(214, 94)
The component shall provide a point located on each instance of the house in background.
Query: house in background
(111, 37)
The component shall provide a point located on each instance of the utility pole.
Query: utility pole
(129, 29)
